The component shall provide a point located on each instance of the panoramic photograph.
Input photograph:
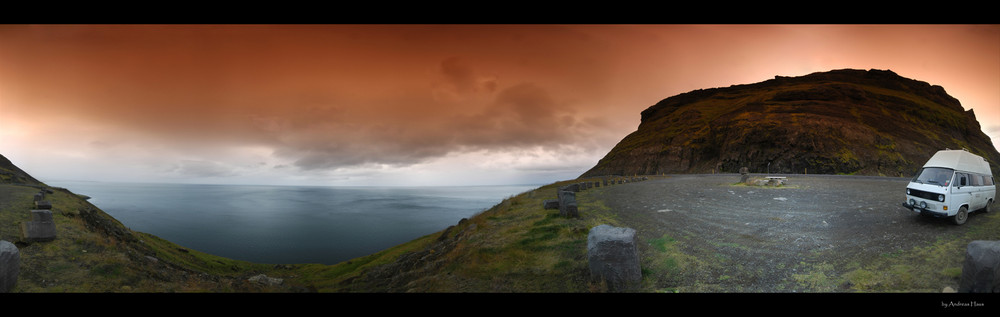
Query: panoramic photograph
(663, 160)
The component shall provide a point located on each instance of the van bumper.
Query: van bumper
(924, 211)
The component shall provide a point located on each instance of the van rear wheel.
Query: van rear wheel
(961, 216)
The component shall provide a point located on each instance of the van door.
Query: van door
(962, 192)
(978, 192)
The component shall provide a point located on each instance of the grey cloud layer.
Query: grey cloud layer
(422, 127)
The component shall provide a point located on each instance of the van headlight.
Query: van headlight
(941, 198)
(923, 204)
(907, 191)
(913, 202)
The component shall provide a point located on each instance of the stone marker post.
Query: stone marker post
(550, 204)
(40, 228)
(10, 266)
(43, 204)
(571, 187)
(567, 204)
(613, 257)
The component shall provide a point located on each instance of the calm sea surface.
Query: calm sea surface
(289, 224)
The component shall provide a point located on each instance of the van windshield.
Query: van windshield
(934, 175)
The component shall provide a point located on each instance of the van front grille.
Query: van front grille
(923, 194)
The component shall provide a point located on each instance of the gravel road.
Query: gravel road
(758, 236)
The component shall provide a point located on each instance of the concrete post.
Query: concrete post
(10, 266)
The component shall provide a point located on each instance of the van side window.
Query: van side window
(988, 180)
(977, 180)
(963, 180)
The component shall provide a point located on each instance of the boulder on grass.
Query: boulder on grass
(981, 270)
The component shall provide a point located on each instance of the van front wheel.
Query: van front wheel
(961, 216)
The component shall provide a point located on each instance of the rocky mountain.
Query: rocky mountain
(848, 121)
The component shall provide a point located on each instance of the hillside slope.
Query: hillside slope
(11, 174)
(855, 122)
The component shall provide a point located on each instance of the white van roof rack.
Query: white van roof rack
(960, 160)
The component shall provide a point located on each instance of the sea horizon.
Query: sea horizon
(289, 224)
(51, 182)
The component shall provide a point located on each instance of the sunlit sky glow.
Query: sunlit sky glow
(409, 104)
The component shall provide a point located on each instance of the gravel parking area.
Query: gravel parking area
(759, 236)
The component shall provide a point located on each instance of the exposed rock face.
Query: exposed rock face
(839, 122)
(265, 280)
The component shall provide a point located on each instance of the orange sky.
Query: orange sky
(409, 104)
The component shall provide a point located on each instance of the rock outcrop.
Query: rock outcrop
(859, 122)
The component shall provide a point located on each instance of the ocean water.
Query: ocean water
(289, 224)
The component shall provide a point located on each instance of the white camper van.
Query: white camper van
(952, 184)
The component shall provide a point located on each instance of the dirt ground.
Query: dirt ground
(760, 236)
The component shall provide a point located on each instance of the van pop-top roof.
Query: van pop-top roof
(960, 160)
